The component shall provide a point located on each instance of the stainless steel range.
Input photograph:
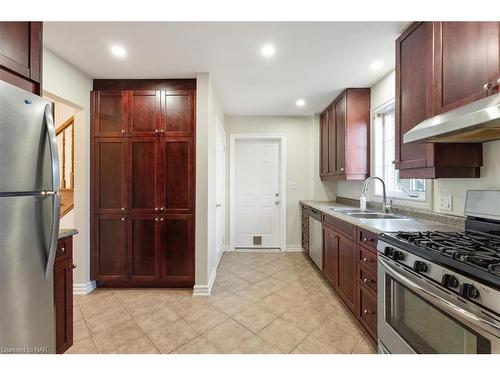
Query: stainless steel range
(439, 292)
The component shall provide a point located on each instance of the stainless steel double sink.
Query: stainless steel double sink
(368, 214)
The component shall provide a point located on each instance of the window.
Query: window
(409, 190)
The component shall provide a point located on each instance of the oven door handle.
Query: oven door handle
(487, 325)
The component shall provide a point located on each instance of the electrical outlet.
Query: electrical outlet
(446, 203)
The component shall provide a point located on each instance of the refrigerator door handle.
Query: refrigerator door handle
(54, 156)
(56, 201)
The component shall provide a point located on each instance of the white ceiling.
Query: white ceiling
(313, 61)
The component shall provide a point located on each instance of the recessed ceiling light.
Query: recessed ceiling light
(376, 65)
(268, 50)
(300, 103)
(118, 51)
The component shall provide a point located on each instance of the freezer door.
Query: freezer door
(28, 145)
(27, 247)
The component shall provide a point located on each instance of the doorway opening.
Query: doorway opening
(257, 192)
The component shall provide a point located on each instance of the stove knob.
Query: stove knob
(449, 281)
(419, 266)
(468, 291)
(398, 255)
(388, 251)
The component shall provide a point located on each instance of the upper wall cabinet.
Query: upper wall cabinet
(466, 58)
(21, 55)
(422, 92)
(344, 137)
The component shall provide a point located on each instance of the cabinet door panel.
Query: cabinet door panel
(330, 255)
(143, 253)
(178, 174)
(109, 113)
(109, 174)
(111, 244)
(177, 248)
(348, 259)
(178, 113)
(63, 304)
(340, 126)
(467, 58)
(142, 174)
(20, 48)
(414, 92)
(144, 114)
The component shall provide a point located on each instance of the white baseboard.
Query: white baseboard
(84, 288)
(294, 249)
(204, 290)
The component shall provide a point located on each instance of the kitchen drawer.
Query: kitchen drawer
(345, 228)
(368, 279)
(367, 238)
(367, 312)
(63, 249)
(368, 258)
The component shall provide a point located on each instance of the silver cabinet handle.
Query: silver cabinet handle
(162, 208)
(367, 312)
(342, 169)
(73, 266)
(123, 208)
(63, 250)
(123, 131)
(366, 260)
(366, 281)
(156, 219)
(161, 219)
(218, 205)
(123, 219)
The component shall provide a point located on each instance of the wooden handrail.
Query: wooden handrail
(65, 124)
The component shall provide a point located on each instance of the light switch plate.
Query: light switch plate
(446, 203)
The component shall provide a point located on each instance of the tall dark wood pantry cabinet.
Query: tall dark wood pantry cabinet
(143, 182)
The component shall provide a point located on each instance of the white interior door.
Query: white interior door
(220, 188)
(257, 216)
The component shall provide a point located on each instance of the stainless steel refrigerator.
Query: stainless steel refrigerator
(29, 221)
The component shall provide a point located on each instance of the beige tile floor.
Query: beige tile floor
(261, 303)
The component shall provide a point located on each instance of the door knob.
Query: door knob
(276, 202)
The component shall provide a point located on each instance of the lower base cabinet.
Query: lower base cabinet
(144, 250)
(350, 266)
(63, 294)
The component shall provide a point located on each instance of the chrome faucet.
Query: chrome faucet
(386, 207)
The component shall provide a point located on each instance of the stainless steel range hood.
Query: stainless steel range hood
(475, 122)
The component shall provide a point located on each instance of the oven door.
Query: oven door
(417, 316)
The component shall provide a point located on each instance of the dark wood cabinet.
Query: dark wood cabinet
(344, 136)
(350, 266)
(426, 64)
(63, 294)
(466, 60)
(143, 183)
(347, 263)
(21, 51)
(330, 255)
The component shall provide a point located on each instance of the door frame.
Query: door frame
(281, 138)
(222, 130)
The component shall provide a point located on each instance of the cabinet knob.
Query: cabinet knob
(123, 131)
(367, 312)
(487, 86)
(366, 260)
(162, 208)
(332, 236)
(123, 219)
(161, 219)
(123, 208)
(157, 208)
(342, 169)
(63, 250)
(366, 281)
(157, 131)
(73, 266)
(156, 219)
(365, 239)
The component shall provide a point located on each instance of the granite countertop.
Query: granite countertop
(66, 232)
(378, 225)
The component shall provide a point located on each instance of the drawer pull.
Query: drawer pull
(366, 260)
(366, 281)
(123, 219)
(367, 312)
(73, 266)
(63, 250)
(332, 236)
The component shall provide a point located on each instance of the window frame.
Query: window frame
(398, 199)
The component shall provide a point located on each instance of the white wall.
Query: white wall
(208, 111)
(70, 85)
(384, 91)
(302, 137)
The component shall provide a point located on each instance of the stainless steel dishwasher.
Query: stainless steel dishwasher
(316, 237)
